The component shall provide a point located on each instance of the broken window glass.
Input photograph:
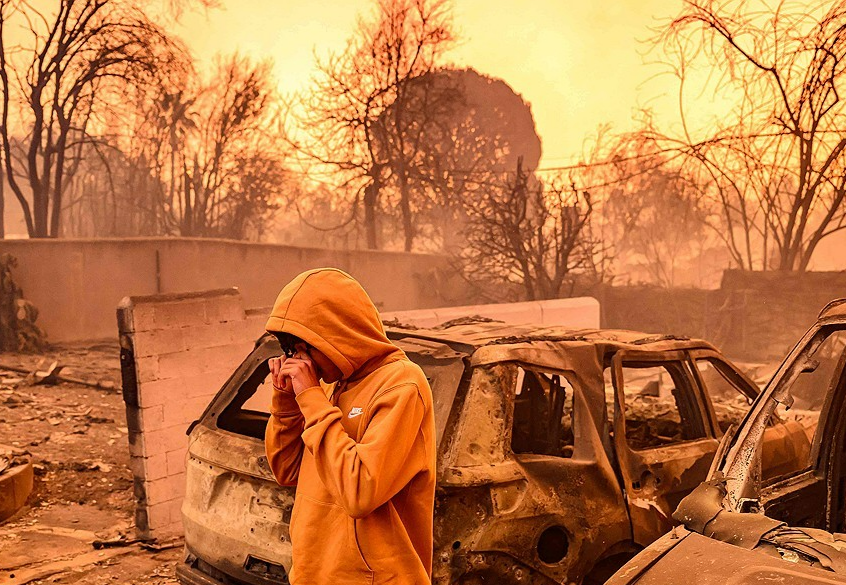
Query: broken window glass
(260, 401)
(730, 404)
(660, 405)
(543, 414)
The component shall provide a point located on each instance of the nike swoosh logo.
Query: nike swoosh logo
(355, 412)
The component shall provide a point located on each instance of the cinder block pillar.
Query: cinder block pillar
(177, 350)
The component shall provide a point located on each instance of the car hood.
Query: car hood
(681, 554)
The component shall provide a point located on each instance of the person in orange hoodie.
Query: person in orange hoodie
(360, 448)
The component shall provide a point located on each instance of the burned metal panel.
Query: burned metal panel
(703, 512)
(539, 525)
(233, 508)
(552, 501)
(533, 521)
(657, 477)
(444, 368)
(680, 555)
(480, 437)
(635, 569)
(834, 309)
(230, 517)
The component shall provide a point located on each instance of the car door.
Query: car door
(555, 440)
(813, 495)
(528, 439)
(729, 394)
(662, 437)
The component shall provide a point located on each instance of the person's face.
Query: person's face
(324, 367)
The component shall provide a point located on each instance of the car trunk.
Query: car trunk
(235, 515)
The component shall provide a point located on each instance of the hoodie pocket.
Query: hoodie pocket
(325, 549)
(354, 540)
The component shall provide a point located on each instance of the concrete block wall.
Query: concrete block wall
(575, 313)
(177, 350)
(75, 284)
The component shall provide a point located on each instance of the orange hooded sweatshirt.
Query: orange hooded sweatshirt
(363, 458)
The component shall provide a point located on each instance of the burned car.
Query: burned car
(560, 453)
(748, 523)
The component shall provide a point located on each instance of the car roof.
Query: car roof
(836, 308)
(581, 354)
(473, 333)
(584, 352)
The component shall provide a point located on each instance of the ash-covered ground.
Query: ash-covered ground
(76, 436)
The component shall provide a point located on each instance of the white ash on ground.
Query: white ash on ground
(76, 437)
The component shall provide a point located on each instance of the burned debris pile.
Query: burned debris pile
(18, 331)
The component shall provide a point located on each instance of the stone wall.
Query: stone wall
(763, 314)
(75, 284)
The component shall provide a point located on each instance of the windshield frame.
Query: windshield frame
(739, 457)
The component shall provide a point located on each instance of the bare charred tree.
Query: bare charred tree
(78, 63)
(451, 133)
(406, 132)
(221, 156)
(775, 170)
(354, 89)
(648, 215)
(665, 233)
(192, 158)
(529, 234)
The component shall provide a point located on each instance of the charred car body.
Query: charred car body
(561, 453)
(747, 523)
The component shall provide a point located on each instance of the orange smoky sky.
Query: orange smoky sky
(579, 64)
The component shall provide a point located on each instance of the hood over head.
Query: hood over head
(328, 309)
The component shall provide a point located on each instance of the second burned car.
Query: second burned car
(561, 453)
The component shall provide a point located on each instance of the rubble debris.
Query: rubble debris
(116, 542)
(50, 375)
(657, 338)
(18, 331)
(74, 533)
(160, 545)
(28, 575)
(64, 515)
(514, 339)
(91, 466)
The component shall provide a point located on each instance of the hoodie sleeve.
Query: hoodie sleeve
(282, 441)
(362, 476)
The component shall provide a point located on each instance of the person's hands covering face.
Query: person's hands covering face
(293, 374)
